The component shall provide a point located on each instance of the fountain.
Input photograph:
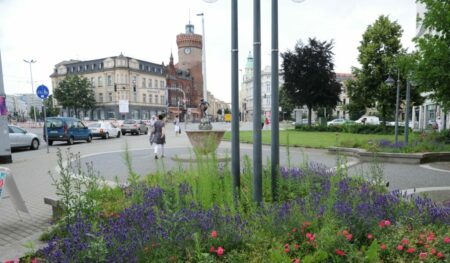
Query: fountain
(205, 140)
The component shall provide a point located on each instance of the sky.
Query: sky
(51, 31)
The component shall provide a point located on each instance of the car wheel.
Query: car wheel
(34, 144)
(123, 133)
(70, 141)
(89, 139)
(106, 136)
(118, 135)
(50, 142)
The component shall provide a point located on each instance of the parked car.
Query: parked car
(21, 138)
(66, 129)
(369, 120)
(336, 122)
(134, 127)
(104, 129)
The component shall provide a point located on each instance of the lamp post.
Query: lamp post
(205, 94)
(257, 151)
(390, 82)
(32, 87)
(408, 91)
(235, 155)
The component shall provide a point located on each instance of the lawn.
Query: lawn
(314, 139)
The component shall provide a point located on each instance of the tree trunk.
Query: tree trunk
(309, 115)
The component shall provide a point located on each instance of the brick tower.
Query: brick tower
(190, 59)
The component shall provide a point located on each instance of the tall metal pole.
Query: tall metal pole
(408, 91)
(32, 88)
(205, 93)
(257, 148)
(396, 106)
(235, 156)
(5, 146)
(275, 139)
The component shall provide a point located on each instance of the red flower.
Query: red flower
(423, 255)
(345, 232)
(440, 255)
(212, 249)
(369, 236)
(411, 250)
(296, 260)
(399, 247)
(286, 250)
(214, 234)
(432, 251)
(296, 246)
(381, 224)
(349, 237)
(405, 241)
(447, 240)
(294, 229)
(340, 252)
(220, 251)
(387, 222)
(383, 247)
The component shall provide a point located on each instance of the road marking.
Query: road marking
(427, 166)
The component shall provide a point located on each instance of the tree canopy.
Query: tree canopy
(309, 76)
(433, 71)
(380, 55)
(75, 93)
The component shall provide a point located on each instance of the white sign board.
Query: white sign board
(123, 106)
(8, 184)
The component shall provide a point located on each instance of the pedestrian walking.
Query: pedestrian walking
(158, 136)
(439, 123)
(263, 120)
(176, 124)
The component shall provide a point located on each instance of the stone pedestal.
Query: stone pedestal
(205, 141)
(205, 125)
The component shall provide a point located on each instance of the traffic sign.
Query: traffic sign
(42, 92)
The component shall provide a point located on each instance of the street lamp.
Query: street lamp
(32, 87)
(205, 94)
(390, 82)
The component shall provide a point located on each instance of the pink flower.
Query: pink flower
(340, 252)
(214, 234)
(296, 260)
(432, 251)
(369, 236)
(296, 246)
(384, 223)
(383, 247)
(447, 240)
(310, 236)
(294, 230)
(405, 241)
(220, 251)
(423, 255)
(212, 249)
(440, 255)
(349, 237)
(345, 232)
(399, 247)
(411, 250)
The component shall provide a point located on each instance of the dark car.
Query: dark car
(66, 129)
(134, 127)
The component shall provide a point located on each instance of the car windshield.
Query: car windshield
(94, 125)
(130, 122)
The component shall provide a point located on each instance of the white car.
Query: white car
(336, 122)
(368, 120)
(21, 138)
(104, 129)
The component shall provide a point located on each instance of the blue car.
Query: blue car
(66, 129)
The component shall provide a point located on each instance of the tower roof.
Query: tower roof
(249, 61)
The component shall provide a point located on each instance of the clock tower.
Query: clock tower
(190, 59)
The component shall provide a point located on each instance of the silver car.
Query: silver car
(104, 129)
(21, 138)
(133, 127)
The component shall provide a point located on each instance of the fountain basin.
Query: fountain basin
(205, 141)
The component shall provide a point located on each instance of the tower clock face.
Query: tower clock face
(187, 50)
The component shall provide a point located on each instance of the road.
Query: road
(31, 172)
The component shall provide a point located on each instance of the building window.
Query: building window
(110, 97)
(86, 67)
(161, 84)
(150, 98)
(156, 84)
(150, 84)
(100, 81)
(100, 97)
(144, 83)
(144, 98)
(93, 66)
(162, 99)
(156, 99)
(134, 96)
(109, 80)
(93, 81)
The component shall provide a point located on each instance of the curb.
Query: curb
(403, 158)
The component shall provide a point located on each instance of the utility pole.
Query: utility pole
(5, 146)
(32, 88)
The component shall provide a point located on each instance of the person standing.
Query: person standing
(176, 123)
(158, 136)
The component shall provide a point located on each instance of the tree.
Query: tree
(432, 73)
(309, 75)
(380, 55)
(50, 109)
(286, 103)
(75, 93)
